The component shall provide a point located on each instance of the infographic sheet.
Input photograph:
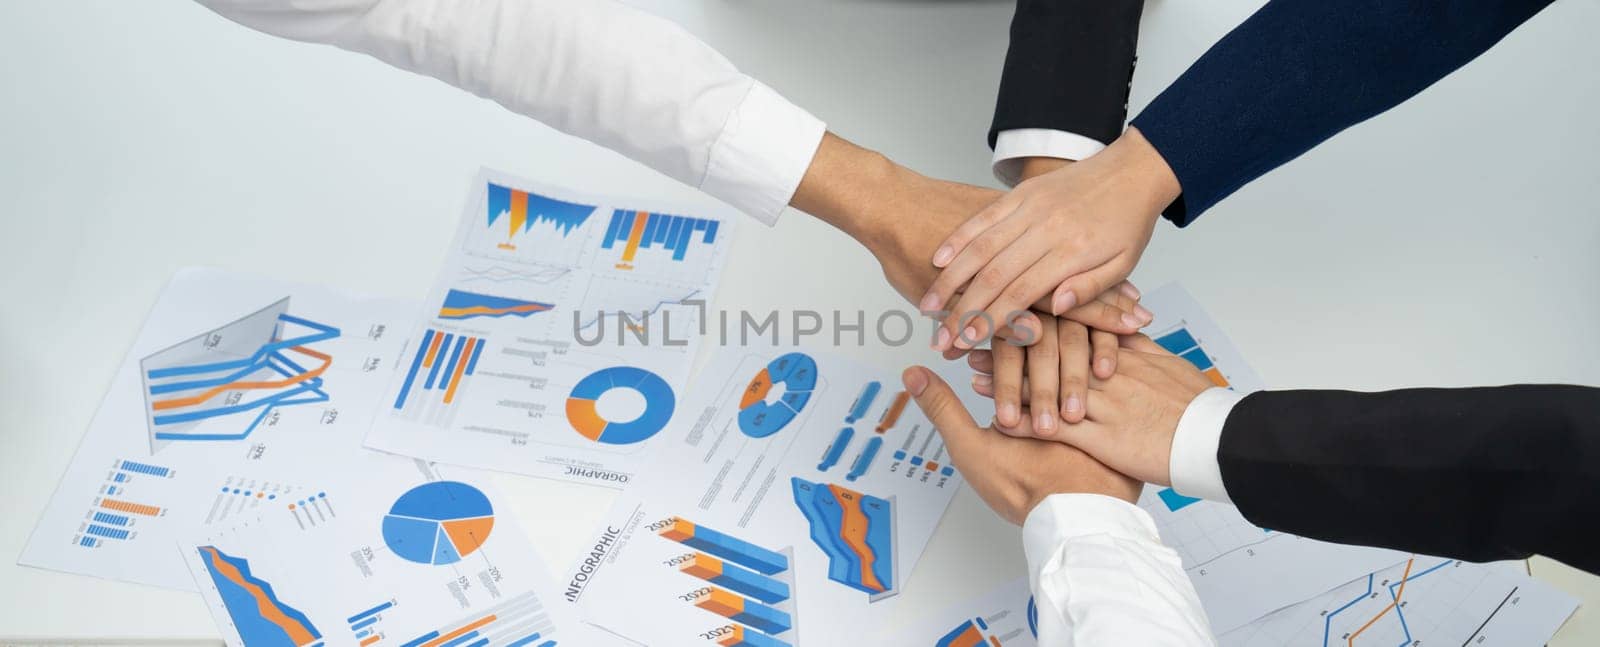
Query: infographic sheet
(239, 398)
(1004, 616)
(418, 555)
(1240, 571)
(559, 334)
(1422, 601)
(786, 504)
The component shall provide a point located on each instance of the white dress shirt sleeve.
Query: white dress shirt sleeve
(619, 77)
(1010, 146)
(1101, 576)
(1193, 465)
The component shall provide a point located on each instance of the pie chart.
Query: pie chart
(797, 372)
(583, 410)
(438, 523)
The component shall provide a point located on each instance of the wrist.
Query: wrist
(1143, 171)
(849, 187)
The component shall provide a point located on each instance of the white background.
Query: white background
(1451, 241)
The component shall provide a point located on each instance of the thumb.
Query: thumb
(942, 407)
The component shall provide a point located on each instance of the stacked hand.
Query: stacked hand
(1011, 474)
(1059, 239)
(902, 217)
(1132, 416)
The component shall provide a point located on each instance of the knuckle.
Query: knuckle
(985, 246)
(989, 279)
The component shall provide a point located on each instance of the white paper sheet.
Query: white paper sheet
(1442, 602)
(1004, 616)
(167, 454)
(418, 555)
(501, 374)
(717, 524)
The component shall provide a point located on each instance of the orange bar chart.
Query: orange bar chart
(127, 506)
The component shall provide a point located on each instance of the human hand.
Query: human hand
(902, 217)
(1133, 416)
(1066, 236)
(1054, 372)
(1012, 475)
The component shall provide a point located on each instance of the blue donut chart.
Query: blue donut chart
(797, 372)
(585, 418)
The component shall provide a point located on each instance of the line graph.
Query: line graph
(1423, 600)
(194, 389)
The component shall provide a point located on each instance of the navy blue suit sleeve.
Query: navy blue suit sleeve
(1300, 71)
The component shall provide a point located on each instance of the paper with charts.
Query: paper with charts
(505, 373)
(1423, 601)
(787, 504)
(1005, 616)
(418, 556)
(240, 395)
(1241, 571)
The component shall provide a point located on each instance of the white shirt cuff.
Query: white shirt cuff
(1193, 465)
(1061, 517)
(1010, 146)
(762, 153)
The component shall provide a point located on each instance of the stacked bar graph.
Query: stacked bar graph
(636, 230)
(857, 533)
(440, 369)
(748, 584)
(738, 636)
(1183, 344)
(518, 622)
(521, 211)
(220, 385)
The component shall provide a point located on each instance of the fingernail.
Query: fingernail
(930, 303)
(1131, 292)
(1064, 302)
(915, 382)
(983, 380)
(1047, 423)
(1144, 313)
(1074, 405)
(969, 338)
(1131, 321)
(1105, 366)
(1008, 414)
(943, 255)
(942, 341)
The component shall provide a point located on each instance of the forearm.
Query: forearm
(1299, 71)
(596, 69)
(1101, 576)
(1479, 474)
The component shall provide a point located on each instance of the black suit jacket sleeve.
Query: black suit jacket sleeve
(1478, 474)
(1068, 67)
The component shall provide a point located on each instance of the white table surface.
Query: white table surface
(1450, 242)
